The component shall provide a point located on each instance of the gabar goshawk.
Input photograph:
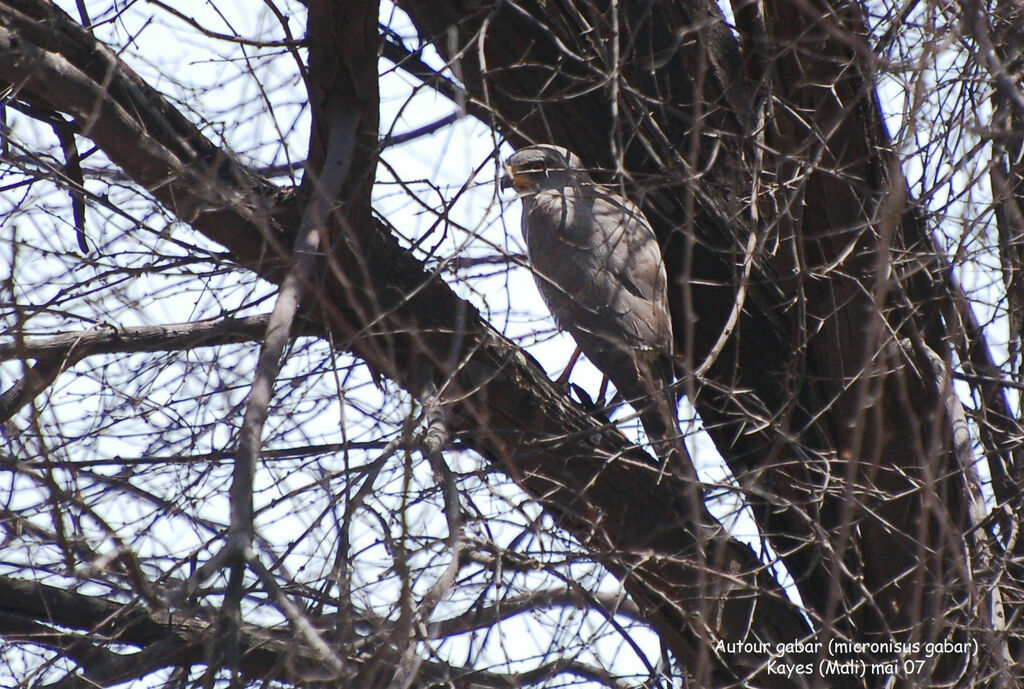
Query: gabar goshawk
(600, 270)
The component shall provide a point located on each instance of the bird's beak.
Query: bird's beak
(511, 179)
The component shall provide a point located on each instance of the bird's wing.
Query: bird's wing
(602, 266)
(626, 251)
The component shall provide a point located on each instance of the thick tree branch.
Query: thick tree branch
(144, 338)
(30, 613)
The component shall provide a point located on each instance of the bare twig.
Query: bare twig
(312, 229)
(425, 130)
(73, 171)
(298, 619)
(734, 314)
(412, 63)
(55, 355)
(435, 438)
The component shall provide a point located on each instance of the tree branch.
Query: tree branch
(145, 338)
(477, 618)
(30, 610)
(54, 355)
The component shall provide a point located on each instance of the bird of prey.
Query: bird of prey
(599, 268)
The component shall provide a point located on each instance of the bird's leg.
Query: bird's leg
(563, 379)
(603, 390)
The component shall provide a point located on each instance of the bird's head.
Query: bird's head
(543, 167)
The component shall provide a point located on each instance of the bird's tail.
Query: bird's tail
(659, 415)
(643, 377)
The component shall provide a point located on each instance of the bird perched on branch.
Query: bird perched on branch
(599, 268)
